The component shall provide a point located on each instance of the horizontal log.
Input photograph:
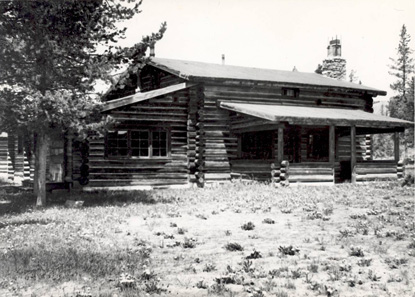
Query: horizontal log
(375, 170)
(297, 178)
(157, 182)
(134, 176)
(370, 177)
(217, 176)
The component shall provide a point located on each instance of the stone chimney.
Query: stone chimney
(334, 49)
(334, 65)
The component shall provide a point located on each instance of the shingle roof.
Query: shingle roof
(191, 69)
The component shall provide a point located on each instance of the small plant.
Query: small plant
(364, 262)
(248, 226)
(228, 233)
(268, 221)
(247, 266)
(181, 231)
(328, 210)
(356, 252)
(233, 247)
(288, 250)
(278, 272)
(373, 277)
(217, 289)
(313, 268)
(189, 243)
(290, 285)
(296, 273)
(396, 262)
(281, 293)
(254, 255)
(209, 267)
(201, 284)
(344, 233)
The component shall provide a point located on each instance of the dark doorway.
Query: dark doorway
(345, 171)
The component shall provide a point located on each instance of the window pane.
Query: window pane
(117, 143)
(139, 143)
(159, 143)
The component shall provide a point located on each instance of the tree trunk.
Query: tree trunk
(40, 165)
(35, 155)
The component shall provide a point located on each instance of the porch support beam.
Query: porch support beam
(332, 144)
(280, 144)
(396, 146)
(353, 152)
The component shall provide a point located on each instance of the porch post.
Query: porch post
(332, 144)
(353, 152)
(396, 146)
(68, 159)
(280, 144)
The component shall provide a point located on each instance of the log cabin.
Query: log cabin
(183, 123)
(200, 123)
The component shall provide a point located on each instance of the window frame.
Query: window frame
(295, 92)
(150, 144)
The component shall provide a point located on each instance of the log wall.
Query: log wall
(310, 173)
(246, 92)
(252, 169)
(4, 152)
(362, 148)
(375, 170)
(216, 143)
(165, 112)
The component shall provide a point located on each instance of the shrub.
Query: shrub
(268, 221)
(248, 226)
(356, 252)
(254, 255)
(288, 250)
(233, 246)
(209, 267)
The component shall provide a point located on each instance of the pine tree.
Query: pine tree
(51, 55)
(402, 68)
(401, 104)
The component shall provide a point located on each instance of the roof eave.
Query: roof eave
(372, 92)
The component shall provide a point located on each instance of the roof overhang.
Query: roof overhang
(138, 97)
(301, 115)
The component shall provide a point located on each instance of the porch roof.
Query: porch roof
(316, 115)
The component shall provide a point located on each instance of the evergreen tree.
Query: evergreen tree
(52, 52)
(401, 104)
(402, 68)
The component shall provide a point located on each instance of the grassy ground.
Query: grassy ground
(233, 240)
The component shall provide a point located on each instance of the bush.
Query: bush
(248, 226)
(233, 246)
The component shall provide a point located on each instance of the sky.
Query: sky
(280, 34)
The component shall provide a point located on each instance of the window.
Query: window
(256, 145)
(137, 143)
(290, 92)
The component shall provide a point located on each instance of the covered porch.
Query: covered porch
(297, 144)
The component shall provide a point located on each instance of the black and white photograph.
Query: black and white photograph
(207, 148)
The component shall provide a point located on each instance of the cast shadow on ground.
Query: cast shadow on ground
(15, 200)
